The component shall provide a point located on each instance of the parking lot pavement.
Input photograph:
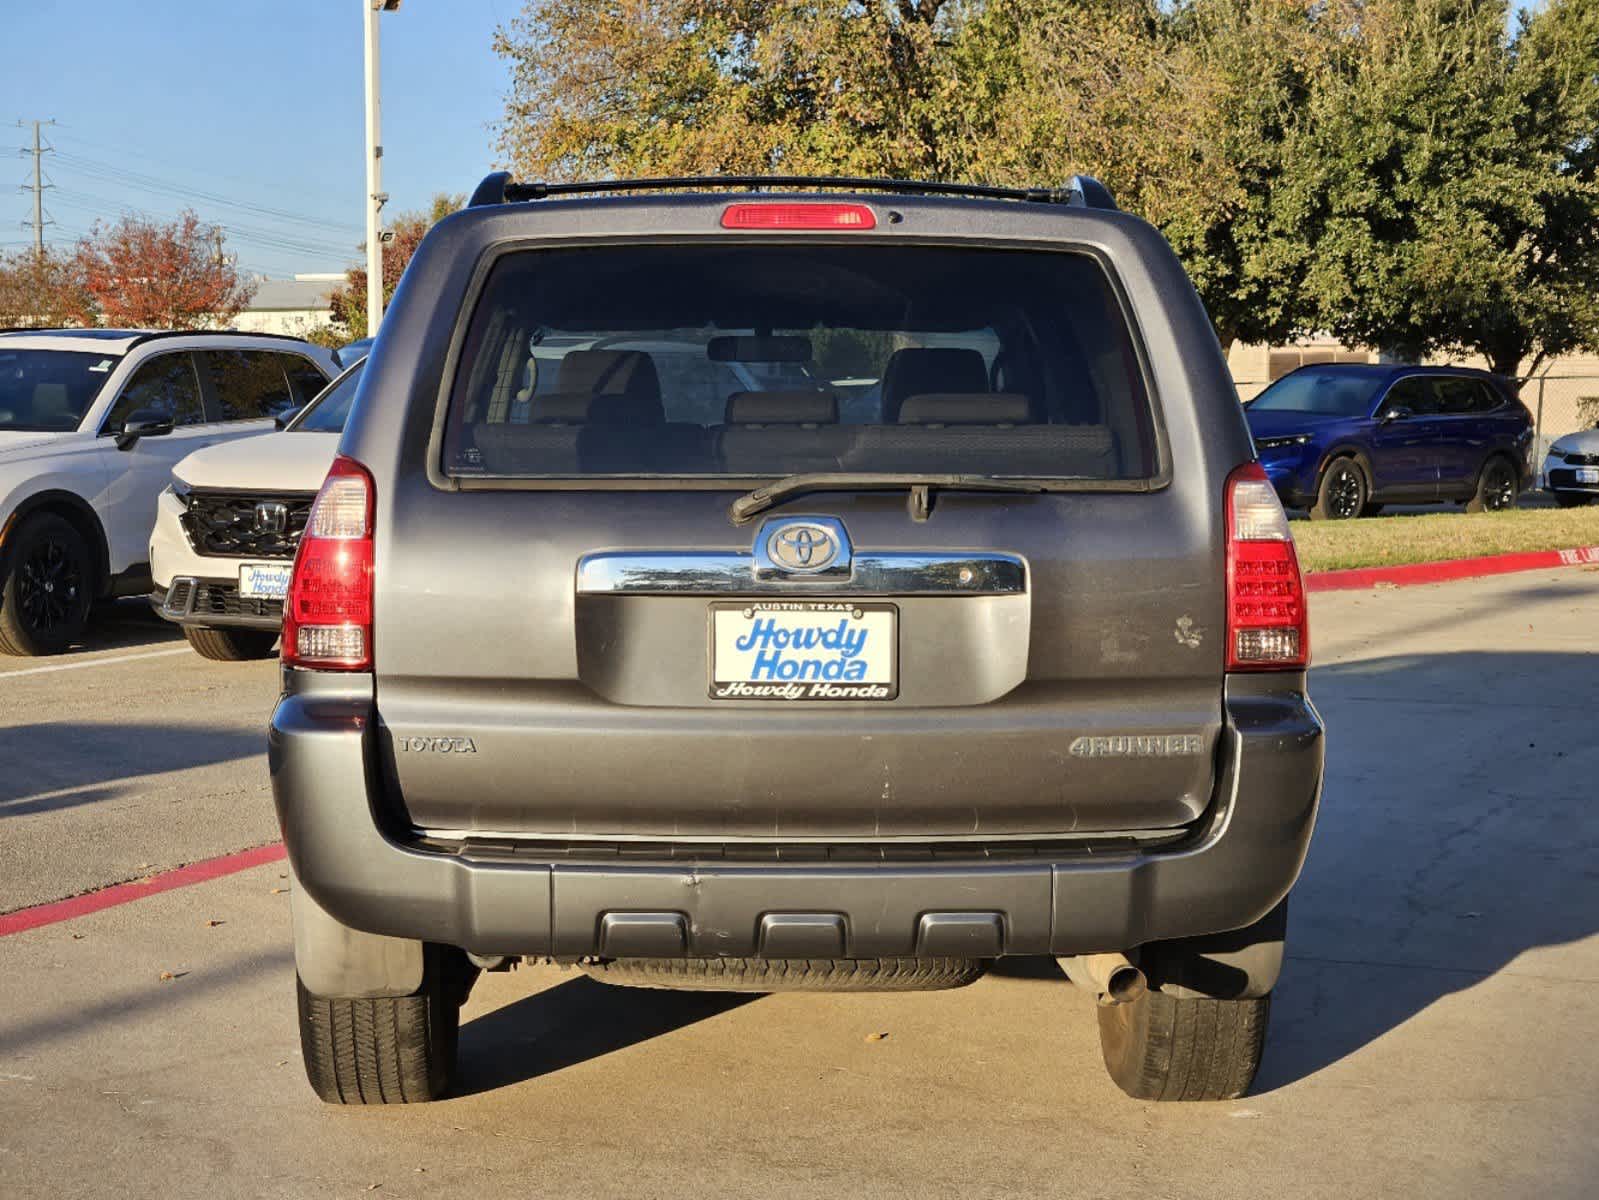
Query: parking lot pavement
(130, 755)
(1432, 1033)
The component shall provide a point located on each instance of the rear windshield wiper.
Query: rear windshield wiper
(762, 498)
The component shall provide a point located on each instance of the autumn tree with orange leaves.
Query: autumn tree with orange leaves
(147, 274)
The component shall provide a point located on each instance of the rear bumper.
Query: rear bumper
(1240, 861)
(214, 604)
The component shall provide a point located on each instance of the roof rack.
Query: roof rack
(138, 339)
(1081, 191)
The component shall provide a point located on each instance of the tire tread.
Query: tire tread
(383, 1050)
(1159, 1047)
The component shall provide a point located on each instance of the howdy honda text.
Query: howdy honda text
(817, 650)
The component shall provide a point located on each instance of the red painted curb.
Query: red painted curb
(1447, 569)
(122, 893)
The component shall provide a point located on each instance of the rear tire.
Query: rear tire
(1158, 1047)
(45, 596)
(789, 974)
(230, 645)
(1496, 487)
(1342, 493)
(386, 1050)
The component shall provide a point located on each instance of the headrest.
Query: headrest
(963, 408)
(782, 408)
(560, 408)
(917, 371)
(607, 372)
(624, 379)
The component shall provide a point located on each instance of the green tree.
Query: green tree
(629, 87)
(347, 304)
(1443, 182)
(1183, 111)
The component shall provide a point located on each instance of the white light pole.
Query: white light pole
(375, 197)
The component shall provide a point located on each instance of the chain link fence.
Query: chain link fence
(1560, 404)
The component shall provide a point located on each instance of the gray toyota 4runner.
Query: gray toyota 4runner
(967, 627)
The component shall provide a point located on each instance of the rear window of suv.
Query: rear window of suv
(713, 360)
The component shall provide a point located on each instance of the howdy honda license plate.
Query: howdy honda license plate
(804, 650)
(1588, 474)
(264, 581)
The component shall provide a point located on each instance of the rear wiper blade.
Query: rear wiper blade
(762, 498)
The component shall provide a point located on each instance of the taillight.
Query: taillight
(327, 617)
(1268, 626)
(798, 216)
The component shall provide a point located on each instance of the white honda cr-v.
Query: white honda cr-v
(227, 529)
(91, 422)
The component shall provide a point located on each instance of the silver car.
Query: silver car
(1571, 472)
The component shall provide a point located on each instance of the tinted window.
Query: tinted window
(50, 390)
(1459, 396)
(304, 379)
(1415, 392)
(164, 387)
(770, 360)
(249, 384)
(332, 407)
(1323, 393)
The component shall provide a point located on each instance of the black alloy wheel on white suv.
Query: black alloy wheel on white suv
(47, 588)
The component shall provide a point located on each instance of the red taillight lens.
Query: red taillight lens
(798, 216)
(1268, 625)
(327, 618)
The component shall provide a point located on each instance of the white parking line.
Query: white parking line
(93, 662)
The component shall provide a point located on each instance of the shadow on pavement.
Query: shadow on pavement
(1456, 833)
(59, 764)
(573, 1022)
(124, 625)
(72, 1018)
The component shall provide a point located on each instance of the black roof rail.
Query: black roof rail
(141, 338)
(1082, 191)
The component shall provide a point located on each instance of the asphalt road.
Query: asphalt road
(1433, 1033)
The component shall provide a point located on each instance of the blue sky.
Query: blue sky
(256, 105)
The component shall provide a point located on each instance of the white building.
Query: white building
(292, 306)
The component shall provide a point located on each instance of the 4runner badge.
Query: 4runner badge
(1159, 745)
(438, 745)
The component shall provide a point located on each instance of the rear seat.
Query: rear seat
(944, 432)
(923, 370)
(607, 416)
(783, 433)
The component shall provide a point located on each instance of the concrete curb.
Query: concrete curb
(1448, 569)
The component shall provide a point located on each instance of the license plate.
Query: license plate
(264, 581)
(804, 650)
(1588, 474)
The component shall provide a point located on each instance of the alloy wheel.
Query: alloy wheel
(1499, 490)
(49, 584)
(1343, 492)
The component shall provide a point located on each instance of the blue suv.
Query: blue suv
(1344, 439)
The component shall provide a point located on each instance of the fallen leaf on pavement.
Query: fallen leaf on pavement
(876, 1037)
(212, 924)
(279, 891)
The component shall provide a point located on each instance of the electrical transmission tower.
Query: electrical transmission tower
(38, 185)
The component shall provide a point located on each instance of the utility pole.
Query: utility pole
(375, 196)
(39, 151)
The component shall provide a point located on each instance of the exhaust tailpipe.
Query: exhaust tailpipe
(1115, 978)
